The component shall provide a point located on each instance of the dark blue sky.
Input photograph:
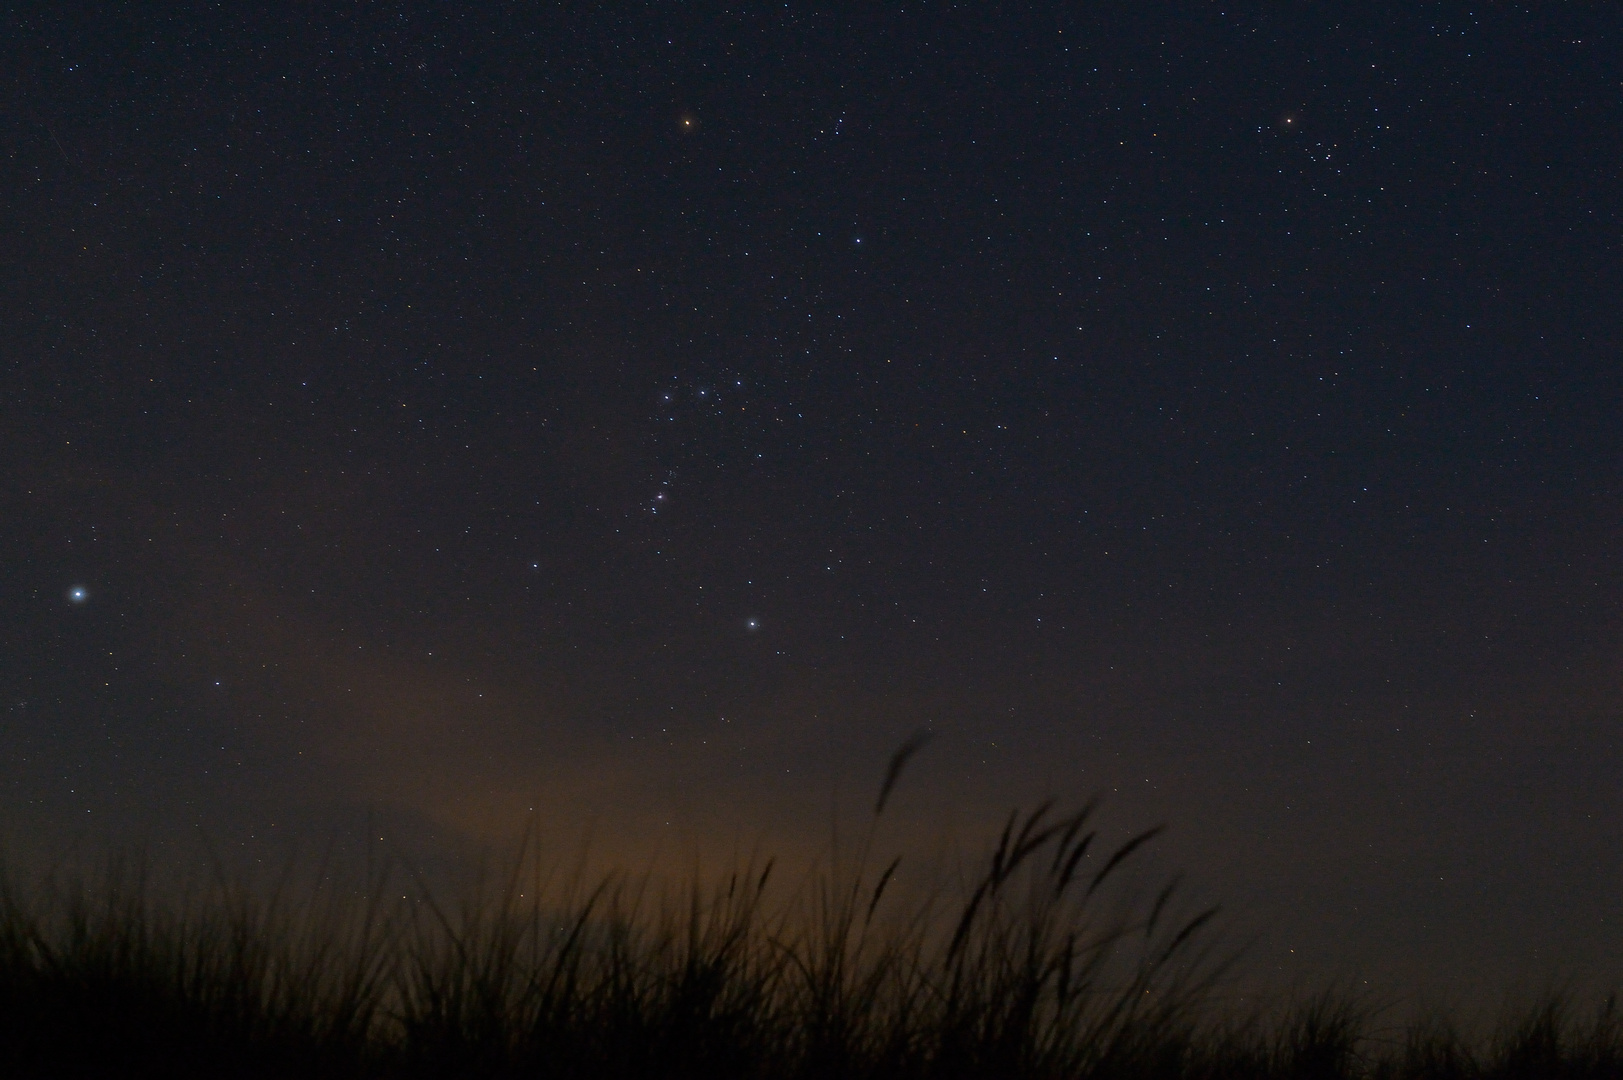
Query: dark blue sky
(652, 414)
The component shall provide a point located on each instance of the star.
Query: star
(78, 594)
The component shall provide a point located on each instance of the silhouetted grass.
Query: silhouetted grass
(1032, 973)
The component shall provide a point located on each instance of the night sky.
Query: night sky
(642, 418)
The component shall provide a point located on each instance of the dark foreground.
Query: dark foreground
(1032, 973)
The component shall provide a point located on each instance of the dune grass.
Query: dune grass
(1039, 969)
